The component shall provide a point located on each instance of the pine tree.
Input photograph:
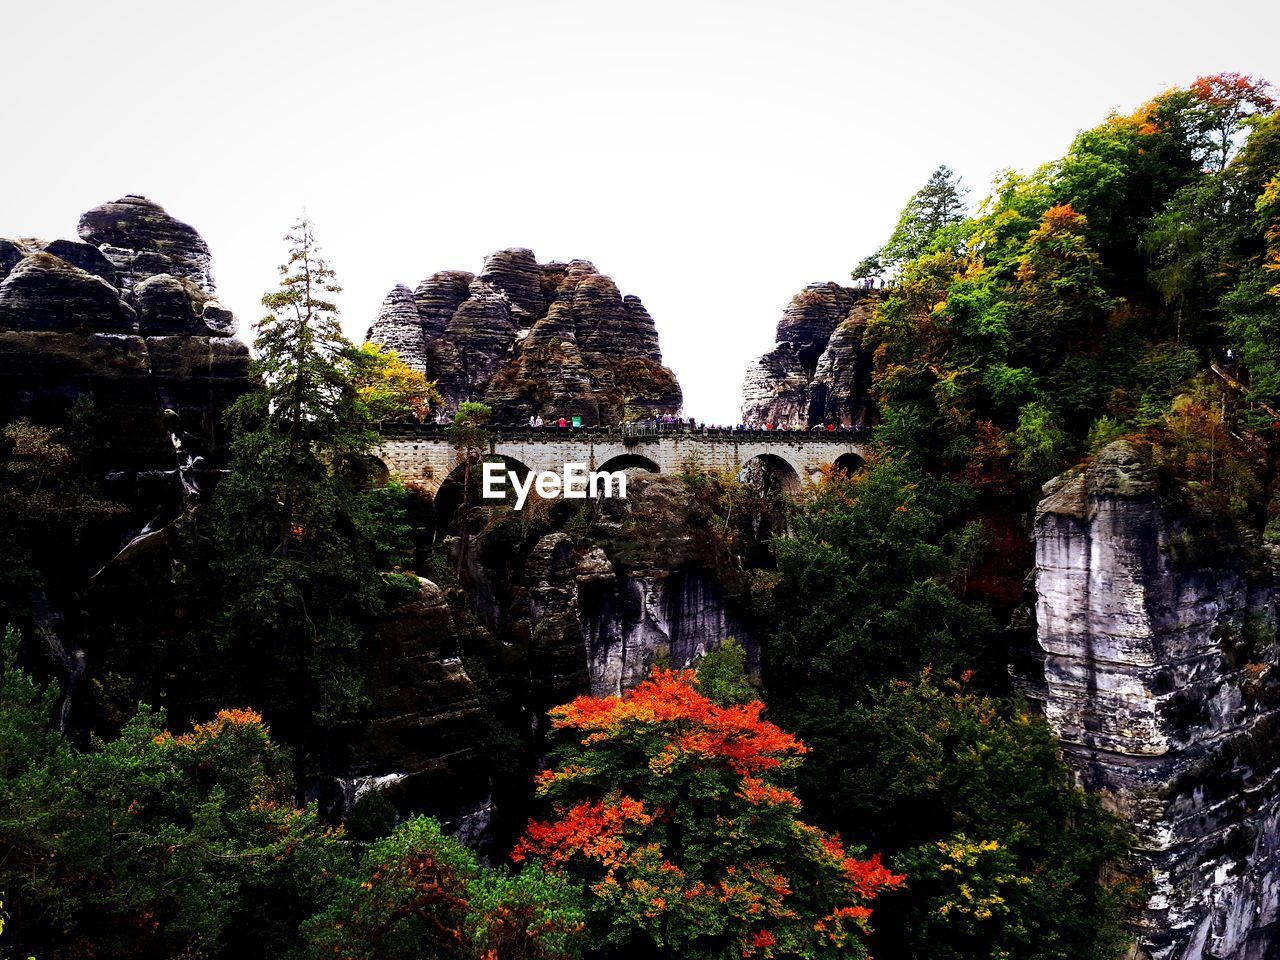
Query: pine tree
(940, 203)
(302, 537)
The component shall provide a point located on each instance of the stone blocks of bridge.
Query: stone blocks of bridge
(427, 460)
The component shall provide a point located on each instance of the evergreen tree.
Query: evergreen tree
(301, 536)
(940, 203)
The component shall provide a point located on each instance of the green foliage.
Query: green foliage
(151, 845)
(419, 894)
(469, 431)
(1004, 856)
(388, 387)
(1041, 317)
(300, 538)
(50, 511)
(866, 589)
(934, 208)
(722, 675)
(1039, 441)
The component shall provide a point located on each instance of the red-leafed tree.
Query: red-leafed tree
(667, 808)
(1228, 98)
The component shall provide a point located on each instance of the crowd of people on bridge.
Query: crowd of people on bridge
(669, 423)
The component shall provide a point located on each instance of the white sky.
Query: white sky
(712, 156)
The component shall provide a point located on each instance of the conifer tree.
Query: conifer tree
(302, 537)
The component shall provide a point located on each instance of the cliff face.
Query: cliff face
(598, 598)
(553, 339)
(118, 337)
(1159, 655)
(818, 371)
(419, 744)
(125, 319)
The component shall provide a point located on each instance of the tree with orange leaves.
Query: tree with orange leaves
(1226, 100)
(669, 808)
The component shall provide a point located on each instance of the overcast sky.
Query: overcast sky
(712, 157)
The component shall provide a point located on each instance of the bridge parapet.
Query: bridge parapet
(554, 434)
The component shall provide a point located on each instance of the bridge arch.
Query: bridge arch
(629, 461)
(449, 495)
(772, 475)
(850, 463)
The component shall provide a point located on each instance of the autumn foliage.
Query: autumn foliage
(668, 808)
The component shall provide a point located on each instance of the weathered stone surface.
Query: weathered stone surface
(438, 298)
(841, 388)
(818, 371)
(548, 374)
(398, 327)
(597, 614)
(810, 318)
(85, 256)
(642, 332)
(552, 339)
(776, 387)
(482, 334)
(140, 366)
(218, 320)
(44, 292)
(1157, 632)
(10, 255)
(155, 361)
(419, 743)
(515, 272)
(167, 304)
(142, 240)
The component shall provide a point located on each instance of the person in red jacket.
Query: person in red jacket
(562, 422)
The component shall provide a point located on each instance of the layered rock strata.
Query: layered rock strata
(526, 338)
(1157, 632)
(646, 582)
(123, 325)
(818, 370)
(419, 743)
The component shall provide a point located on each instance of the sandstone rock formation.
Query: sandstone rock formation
(125, 321)
(553, 339)
(818, 371)
(419, 743)
(646, 581)
(118, 336)
(1157, 632)
(141, 240)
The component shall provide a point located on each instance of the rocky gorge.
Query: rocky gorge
(1154, 658)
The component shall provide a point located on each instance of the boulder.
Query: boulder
(44, 292)
(85, 256)
(168, 304)
(555, 339)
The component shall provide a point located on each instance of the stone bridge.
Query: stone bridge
(786, 460)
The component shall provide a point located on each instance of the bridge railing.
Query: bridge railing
(639, 431)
